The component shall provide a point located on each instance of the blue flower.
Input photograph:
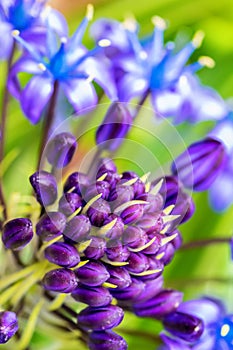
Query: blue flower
(218, 326)
(65, 61)
(221, 192)
(29, 17)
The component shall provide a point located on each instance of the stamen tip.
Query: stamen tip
(159, 22)
(42, 67)
(15, 33)
(104, 43)
(130, 24)
(198, 38)
(206, 61)
(63, 40)
(90, 12)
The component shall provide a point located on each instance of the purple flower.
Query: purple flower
(45, 187)
(29, 17)
(17, 233)
(200, 164)
(218, 326)
(60, 280)
(221, 192)
(69, 63)
(106, 340)
(60, 149)
(8, 325)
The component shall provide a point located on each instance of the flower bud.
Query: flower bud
(60, 149)
(62, 254)
(69, 203)
(8, 325)
(129, 293)
(160, 305)
(118, 228)
(98, 212)
(134, 237)
(102, 187)
(92, 274)
(152, 287)
(114, 127)
(45, 187)
(77, 182)
(92, 296)
(151, 223)
(101, 318)
(60, 280)
(96, 248)
(119, 276)
(51, 225)
(107, 340)
(77, 229)
(105, 165)
(132, 213)
(17, 233)
(116, 251)
(121, 194)
(200, 164)
(184, 326)
(138, 262)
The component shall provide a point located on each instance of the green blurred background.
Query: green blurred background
(200, 271)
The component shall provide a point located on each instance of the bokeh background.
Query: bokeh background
(206, 270)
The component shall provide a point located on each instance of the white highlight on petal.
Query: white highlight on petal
(63, 40)
(143, 55)
(15, 33)
(159, 22)
(206, 61)
(90, 12)
(225, 329)
(104, 43)
(198, 38)
(42, 67)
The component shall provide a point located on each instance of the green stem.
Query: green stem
(48, 122)
(205, 242)
(5, 103)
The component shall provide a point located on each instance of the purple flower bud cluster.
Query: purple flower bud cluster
(114, 237)
(8, 325)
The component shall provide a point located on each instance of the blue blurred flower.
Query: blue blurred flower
(65, 61)
(29, 17)
(218, 331)
(221, 192)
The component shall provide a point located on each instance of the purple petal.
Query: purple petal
(224, 132)
(6, 40)
(58, 22)
(209, 310)
(35, 97)
(131, 86)
(221, 192)
(24, 64)
(172, 344)
(81, 94)
(167, 103)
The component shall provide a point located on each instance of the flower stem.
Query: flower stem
(48, 121)
(205, 242)
(140, 103)
(5, 100)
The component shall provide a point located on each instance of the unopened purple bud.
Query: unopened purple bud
(8, 325)
(151, 223)
(132, 213)
(17, 233)
(60, 280)
(60, 149)
(169, 190)
(96, 248)
(114, 127)
(160, 305)
(92, 274)
(152, 287)
(62, 254)
(138, 262)
(69, 203)
(77, 229)
(93, 190)
(155, 246)
(45, 187)
(154, 264)
(51, 225)
(118, 228)
(134, 237)
(138, 186)
(93, 296)
(107, 340)
(131, 292)
(119, 276)
(184, 326)
(98, 212)
(105, 165)
(77, 182)
(200, 164)
(185, 207)
(121, 194)
(116, 251)
(169, 252)
(101, 318)
(155, 202)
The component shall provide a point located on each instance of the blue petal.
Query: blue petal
(224, 132)
(221, 192)
(35, 97)
(173, 344)
(81, 94)
(58, 22)
(6, 40)
(130, 86)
